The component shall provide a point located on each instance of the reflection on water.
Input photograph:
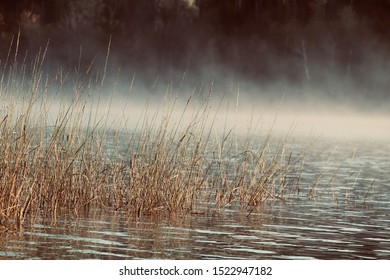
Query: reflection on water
(347, 218)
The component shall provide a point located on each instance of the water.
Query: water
(342, 214)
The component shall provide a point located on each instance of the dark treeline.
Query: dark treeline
(295, 41)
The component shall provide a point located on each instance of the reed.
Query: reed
(62, 154)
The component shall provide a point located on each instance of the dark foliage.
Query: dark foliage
(301, 42)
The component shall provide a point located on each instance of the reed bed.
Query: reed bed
(61, 154)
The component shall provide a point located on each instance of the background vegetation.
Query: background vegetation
(326, 43)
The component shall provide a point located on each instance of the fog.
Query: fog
(311, 67)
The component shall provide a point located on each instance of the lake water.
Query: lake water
(341, 212)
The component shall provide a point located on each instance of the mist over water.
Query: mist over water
(234, 107)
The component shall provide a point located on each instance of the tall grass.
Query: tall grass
(61, 154)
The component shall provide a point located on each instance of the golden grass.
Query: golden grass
(78, 159)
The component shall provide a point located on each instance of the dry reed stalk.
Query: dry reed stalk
(73, 163)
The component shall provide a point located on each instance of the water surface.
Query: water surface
(342, 214)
